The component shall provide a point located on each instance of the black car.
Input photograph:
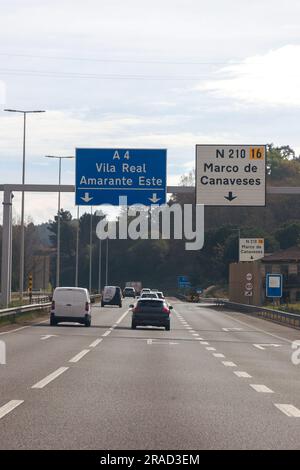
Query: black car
(153, 312)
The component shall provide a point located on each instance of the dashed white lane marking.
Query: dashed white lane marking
(195, 334)
(189, 328)
(121, 317)
(47, 337)
(232, 329)
(79, 355)
(95, 343)
(11, 405)
(261, 388)
(204, 342)
(263, 346)
(229, 364)
(192, 331)
(289, 410)
(242, 374)
(108, 332)
(219, 355)
(149, 341)
(42, 383)
(209, 348)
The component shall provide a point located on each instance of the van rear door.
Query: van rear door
(70, 303)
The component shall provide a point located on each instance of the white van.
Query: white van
(71, 304)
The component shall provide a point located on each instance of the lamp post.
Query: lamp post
(60, 158)
(22, 242)
(106, 268)
(91, 250)
(77, 249)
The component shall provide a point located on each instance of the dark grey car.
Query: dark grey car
(151, 312)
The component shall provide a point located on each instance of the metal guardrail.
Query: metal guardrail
(278, 316)
(16, 311)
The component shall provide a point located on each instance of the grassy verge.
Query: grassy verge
(289, 308)
(24, 318)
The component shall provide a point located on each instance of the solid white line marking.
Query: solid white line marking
(108, 332)
(79, 355)
(259, 329)
(219, 355)
(11, 405)
(204, 342)
(289, 410)
(13, 331)
(121, 317)
(229, 364)
(242, 374)
(50, 377)
(261, 388)
(95, 343)
(210, 348)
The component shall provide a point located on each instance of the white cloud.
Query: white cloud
(271, 79)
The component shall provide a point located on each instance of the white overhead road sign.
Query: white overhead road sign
(231, 175)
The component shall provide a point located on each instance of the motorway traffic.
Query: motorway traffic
(216, 380)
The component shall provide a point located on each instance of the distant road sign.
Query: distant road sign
(231, 175)
(104, 175)
(251, 249)
(183, 281)
(274, 285)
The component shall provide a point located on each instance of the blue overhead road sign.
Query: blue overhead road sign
(105, 175)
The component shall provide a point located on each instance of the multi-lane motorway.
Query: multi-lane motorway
(217, 380)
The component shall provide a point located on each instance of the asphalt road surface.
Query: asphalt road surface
(217, 380)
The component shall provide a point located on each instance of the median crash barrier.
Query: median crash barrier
(14, 312)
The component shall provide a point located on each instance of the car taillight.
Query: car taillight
(53, 305)
(87, 306)
(166, 310)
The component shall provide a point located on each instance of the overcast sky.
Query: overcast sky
(140, 73)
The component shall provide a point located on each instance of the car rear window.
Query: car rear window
(148, 303)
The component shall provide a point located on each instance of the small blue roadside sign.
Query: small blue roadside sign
(105, 175)
(274, 285)
(183, 281)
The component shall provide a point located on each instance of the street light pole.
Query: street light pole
(22, 232)
(91, 249)
(106, 270)
(77, 249)
(100, 267)
(60, 158)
